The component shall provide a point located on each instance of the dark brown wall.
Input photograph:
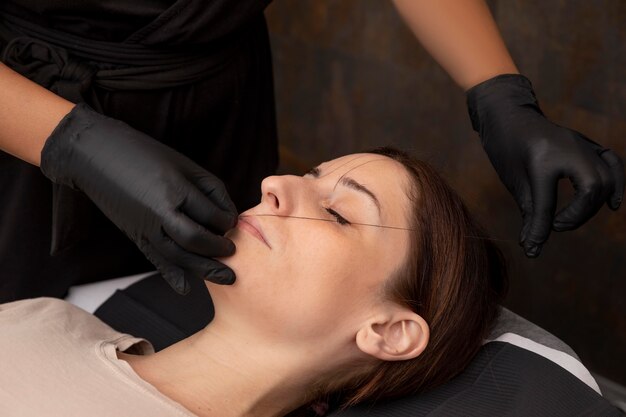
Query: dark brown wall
(349, 76)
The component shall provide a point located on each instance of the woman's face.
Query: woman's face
(302, 278)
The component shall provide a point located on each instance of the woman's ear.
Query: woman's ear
(395, 335)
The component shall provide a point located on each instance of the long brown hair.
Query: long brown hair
(454, 277)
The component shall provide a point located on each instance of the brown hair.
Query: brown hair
(454, 277)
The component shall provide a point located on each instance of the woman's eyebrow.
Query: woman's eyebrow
(315, 172)
(350, 183)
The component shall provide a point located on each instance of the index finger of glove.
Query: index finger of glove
(544, 194)
(200, 208)
(524, 200)
(194, 238)
(215, 190)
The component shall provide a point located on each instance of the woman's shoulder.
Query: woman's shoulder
(33, 305)
(66, 358)
(47, 315)
(43, 307)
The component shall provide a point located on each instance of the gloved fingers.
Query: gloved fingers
(616, 170)
(592, 191)
(544, 195)
(526, 222)
(172, 274)
(524, 201)
(204, 211)
(215, 190)
(208, 269)
(192, 237)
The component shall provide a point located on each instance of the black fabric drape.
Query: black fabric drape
(130, 311)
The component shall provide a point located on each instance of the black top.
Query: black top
(149, 22)
(95, 18)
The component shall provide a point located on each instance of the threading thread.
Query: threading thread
(367, 224)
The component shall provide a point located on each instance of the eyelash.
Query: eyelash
(340, 219)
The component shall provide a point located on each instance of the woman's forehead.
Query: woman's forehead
(361, 161)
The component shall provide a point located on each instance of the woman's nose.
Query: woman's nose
(279, 193)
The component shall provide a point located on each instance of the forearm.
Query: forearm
(462, 37)
(28, 115)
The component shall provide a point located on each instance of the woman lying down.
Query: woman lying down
(365, 277)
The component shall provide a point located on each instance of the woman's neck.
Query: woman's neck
(220, 372)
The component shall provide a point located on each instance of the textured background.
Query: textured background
(349, 76)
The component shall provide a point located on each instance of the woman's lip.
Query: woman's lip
(251, 225)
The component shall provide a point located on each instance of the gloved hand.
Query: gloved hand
(531, 154)
(170, 207)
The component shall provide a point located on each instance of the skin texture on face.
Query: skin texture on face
(303, 281)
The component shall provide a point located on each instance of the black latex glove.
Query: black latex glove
(531, 154)
(170, 207)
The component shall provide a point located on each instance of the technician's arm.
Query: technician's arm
(170, 207)
(462, 37)
(28, 115)
(529, 152)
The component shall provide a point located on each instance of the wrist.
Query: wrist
(59, 151)
(495, 95)
(469, 79)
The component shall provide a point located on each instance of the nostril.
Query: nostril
(274, 200)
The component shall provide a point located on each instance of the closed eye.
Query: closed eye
(340, 219)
